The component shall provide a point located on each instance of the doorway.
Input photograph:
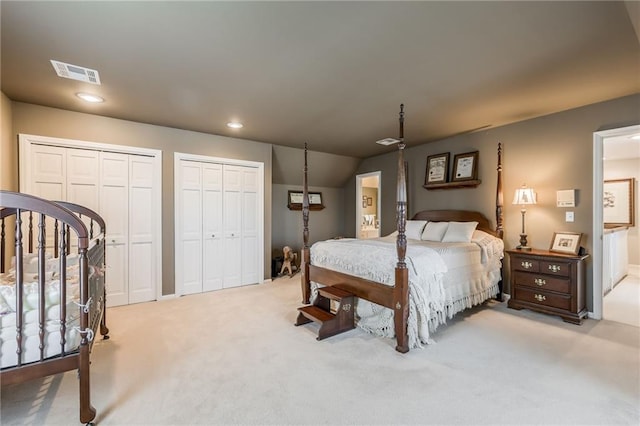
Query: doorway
(368, 205)
(604, 277)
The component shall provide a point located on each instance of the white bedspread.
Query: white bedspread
(376, 260)
(444, 278)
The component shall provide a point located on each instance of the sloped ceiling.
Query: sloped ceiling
(328, 73)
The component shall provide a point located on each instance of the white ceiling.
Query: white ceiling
(621, 147)
(328, 73)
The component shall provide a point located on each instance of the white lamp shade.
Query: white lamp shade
(524, 196)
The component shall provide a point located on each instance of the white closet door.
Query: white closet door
(83, 183)
(83, 178)
(232, 219)
(191, 226)
(213, 260)
(48, 173)
(114, 189)
(250, 249)
(142, 279)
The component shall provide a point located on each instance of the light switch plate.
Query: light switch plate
(569, 216)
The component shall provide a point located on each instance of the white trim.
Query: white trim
(634, 269)
(598, 221)
(167, 297)
(26, 141)
(180, 156)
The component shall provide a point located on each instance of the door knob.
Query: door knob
(213, 235)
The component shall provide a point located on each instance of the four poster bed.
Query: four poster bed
(442, 262)
(52, 294)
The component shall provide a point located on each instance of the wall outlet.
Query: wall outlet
(568, 217)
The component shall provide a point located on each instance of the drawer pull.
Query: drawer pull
(554, 268)
(526, 265)
(540, 281)
(539, 297)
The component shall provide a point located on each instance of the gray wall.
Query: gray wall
(39, 120)
(548, 153)
(323, 224)
(623, 169)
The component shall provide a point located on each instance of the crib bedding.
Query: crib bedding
(449, 279)
(31, 301)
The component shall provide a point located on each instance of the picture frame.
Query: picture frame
(618, 202)
(294, 200)
(369, 201)
(465, 167)
(364, 202)
(566, 242)
(437, 168)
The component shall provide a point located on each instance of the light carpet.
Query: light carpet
(622, 304)
(234, 357)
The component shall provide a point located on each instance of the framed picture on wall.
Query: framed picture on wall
(295, 198)
(437, 169)
(465, 166)
(618, 203)
(369, 201)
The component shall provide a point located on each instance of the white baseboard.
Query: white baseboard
(634, 269)
(266, 281)
(166, 297)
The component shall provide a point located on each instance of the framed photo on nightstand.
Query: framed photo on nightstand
(566, 242)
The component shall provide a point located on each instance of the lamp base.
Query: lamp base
(523, 243)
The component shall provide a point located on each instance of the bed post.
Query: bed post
(499, 217)
(401, 288)
(499, 196)
(87, 412)
(306, 258)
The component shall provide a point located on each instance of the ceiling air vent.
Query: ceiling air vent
(387, 141)
(76, 72)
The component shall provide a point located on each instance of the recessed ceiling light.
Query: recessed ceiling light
(89, 97)
(235, 125)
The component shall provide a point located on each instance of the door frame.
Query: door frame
(181, 156)
(26, 141)
(599, 139)
(359, 179)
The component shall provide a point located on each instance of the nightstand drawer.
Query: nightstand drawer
(543, 282)
(528, 295)
(556, 268)
(525, 264)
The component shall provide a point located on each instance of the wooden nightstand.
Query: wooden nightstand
(547, 282)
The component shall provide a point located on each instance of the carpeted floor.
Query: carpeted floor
(622, 304)
(234, 357)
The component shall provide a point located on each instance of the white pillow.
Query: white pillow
(414, 228)
(434, 231)
(459, 232)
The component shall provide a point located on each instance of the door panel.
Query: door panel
(142, 282)
(191, 227)
(250, 250)
(141, 272)
(114, 209)
(213, 261)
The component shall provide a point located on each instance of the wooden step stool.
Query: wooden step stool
(331, 323)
